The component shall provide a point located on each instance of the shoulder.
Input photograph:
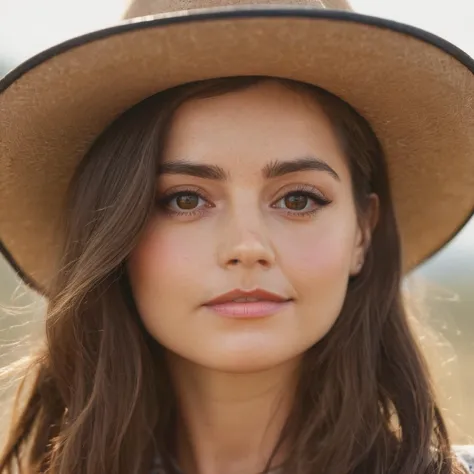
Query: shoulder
(466, 455)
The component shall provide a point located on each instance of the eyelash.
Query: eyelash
(164, 202)
(304, 190)
(310, 192)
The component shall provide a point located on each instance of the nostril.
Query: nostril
(263, 262)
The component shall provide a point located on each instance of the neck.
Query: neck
(231, 422)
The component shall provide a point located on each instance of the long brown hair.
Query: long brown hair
(101, 400)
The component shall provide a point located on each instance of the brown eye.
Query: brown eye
(296, 202)
(184, 203)
(187, 202)
(301, 203)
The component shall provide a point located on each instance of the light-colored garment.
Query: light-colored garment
(465, 454)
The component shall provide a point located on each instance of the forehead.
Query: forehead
(247, 128)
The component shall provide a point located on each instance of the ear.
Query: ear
(367, 224)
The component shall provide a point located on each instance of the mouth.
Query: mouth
(248, 304)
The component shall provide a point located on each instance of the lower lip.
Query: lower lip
(254, 309)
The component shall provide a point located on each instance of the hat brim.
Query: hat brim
(416, 90)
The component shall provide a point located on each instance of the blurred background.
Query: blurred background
(441, 292)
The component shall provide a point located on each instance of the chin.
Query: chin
(248, 358)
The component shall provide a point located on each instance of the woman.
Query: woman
(219, 235)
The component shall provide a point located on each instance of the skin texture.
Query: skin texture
(234, 377)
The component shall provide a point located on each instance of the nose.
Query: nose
(246, 244)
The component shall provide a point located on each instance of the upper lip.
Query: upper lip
(258, 293)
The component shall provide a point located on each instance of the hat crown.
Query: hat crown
(140, 8)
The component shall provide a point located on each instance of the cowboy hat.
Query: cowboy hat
(415, 89)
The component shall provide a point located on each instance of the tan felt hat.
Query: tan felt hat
(416, 90)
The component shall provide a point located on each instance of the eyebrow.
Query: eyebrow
(280, 168)
(273, 169)
(193, 169)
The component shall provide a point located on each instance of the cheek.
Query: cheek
(317, 261)
(163, 270)
(163, 267)
(315, 257)
(160, 252)
(320, 252)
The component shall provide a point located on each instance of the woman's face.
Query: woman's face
(254, 194)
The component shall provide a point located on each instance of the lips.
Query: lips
(243, 296)
(248, 304)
